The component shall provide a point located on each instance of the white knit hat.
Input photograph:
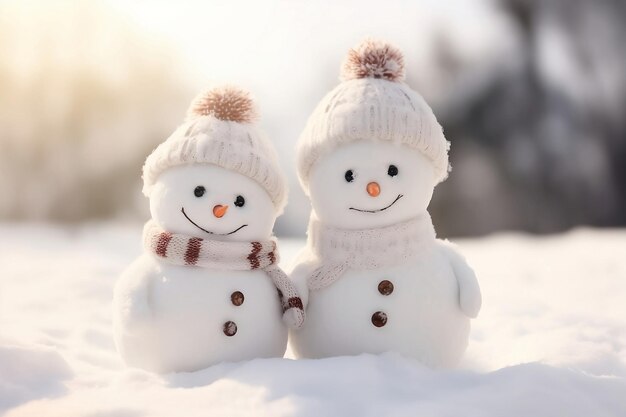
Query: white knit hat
(220, 130)
(372, 103)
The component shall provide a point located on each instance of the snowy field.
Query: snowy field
(550, 340)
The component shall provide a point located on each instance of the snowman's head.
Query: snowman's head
(370, 184)
(208, 201)
(372, 151)
(217, 176)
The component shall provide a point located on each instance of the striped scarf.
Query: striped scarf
(179, 249)
(338, 250)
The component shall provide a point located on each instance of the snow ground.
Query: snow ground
(550, 340)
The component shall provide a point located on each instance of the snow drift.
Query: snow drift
(550, 340)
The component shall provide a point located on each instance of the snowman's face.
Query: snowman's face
(366, 185)
(212, 202)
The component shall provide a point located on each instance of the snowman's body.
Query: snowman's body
(419, 300)
(173, 315)
(186, 318)
(402, 290)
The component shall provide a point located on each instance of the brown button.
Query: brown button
(230, 328)
(379, 319)
(385, 287)
(237, 298)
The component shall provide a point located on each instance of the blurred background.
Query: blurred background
(532, 95)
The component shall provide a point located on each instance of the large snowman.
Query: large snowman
(207, 288)
(373, 276)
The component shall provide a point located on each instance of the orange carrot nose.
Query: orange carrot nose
(219, 210)
(373, 189)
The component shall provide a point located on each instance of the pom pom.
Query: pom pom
(225, 103)
(373, 59)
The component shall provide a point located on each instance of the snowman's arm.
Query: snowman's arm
(470, 298)
(131, 302)
(299, 273)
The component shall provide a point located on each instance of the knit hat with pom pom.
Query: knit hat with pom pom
(372, 103)
(220, 129)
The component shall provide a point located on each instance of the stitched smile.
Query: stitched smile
(381, 209)
(207, 231)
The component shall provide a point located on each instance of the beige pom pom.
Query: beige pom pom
(225, 103)
(373, 59)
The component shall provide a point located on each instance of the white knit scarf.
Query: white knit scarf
(180, 249)
(338, 249)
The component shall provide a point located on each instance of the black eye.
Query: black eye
(240, 201)
(349, 176)
(199, 191)
(392, 171)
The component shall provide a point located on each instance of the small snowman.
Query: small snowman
(373, 275)
(208, 288)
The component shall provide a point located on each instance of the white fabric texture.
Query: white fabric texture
(239, 147)
(338, 250)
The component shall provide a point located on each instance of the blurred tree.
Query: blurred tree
(83, 100)
(542, 146)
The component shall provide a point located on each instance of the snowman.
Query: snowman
(208, 288)
(373, 276)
